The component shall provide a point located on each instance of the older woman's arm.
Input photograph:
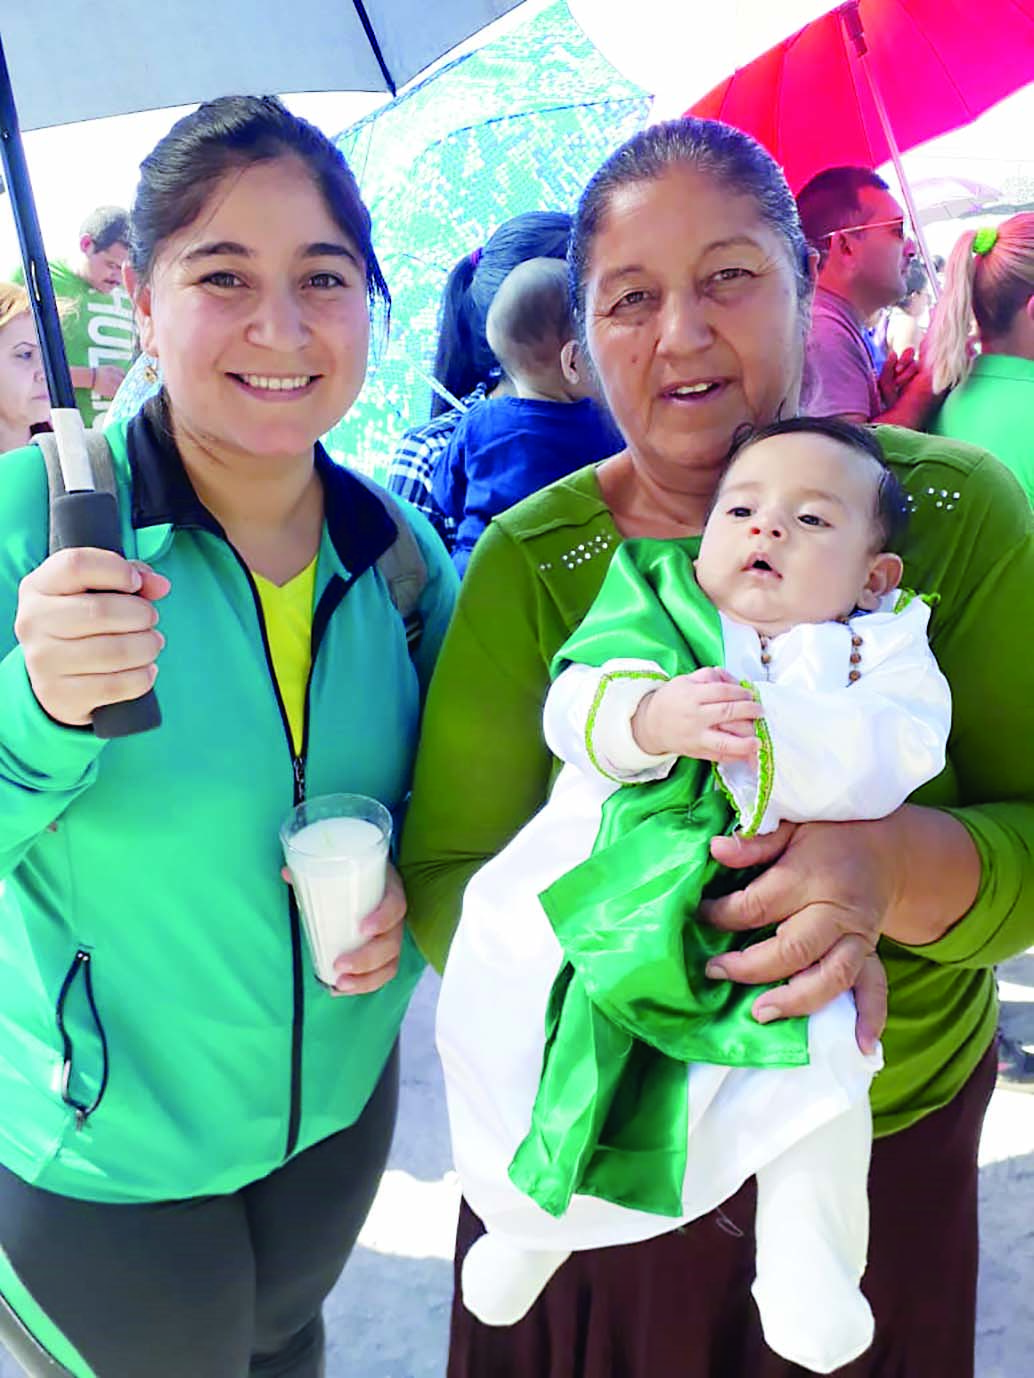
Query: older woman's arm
(483, 767)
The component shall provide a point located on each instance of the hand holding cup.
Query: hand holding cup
(350, 900)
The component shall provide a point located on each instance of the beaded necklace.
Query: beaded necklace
(855, 658)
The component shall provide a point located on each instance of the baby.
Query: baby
(601, 1088)
(509, 447)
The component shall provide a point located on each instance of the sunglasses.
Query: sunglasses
(897, 223)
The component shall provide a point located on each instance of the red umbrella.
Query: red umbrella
(934, 64)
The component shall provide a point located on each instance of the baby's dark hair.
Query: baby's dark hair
(890, 517)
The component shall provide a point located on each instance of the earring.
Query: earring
(149, 372)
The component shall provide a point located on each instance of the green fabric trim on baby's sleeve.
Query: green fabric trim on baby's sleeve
(597, 703)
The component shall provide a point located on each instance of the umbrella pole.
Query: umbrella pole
(67, 422)
(81, 516)
(852, 21)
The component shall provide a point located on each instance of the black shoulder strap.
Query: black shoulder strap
(98, 452)
(402, 565)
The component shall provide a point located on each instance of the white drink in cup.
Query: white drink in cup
(336, 848)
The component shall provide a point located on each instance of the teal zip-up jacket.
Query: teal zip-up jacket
(162, 1034)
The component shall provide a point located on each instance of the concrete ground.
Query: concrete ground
(388, 1316)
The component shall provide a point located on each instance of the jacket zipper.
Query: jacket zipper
(331, 596)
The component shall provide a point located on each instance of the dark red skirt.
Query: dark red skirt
(679, 1306)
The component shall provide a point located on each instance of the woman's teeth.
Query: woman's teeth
(692, 389)
(258, 380)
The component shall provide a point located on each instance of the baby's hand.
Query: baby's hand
(706, 715)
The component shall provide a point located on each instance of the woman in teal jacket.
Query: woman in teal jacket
(194, 1127)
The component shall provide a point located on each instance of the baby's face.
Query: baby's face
(791, 537)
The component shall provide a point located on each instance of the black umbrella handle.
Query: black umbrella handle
(91, 519)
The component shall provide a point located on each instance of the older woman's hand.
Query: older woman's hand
(829, 888)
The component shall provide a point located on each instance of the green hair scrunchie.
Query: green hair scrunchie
(985, 239)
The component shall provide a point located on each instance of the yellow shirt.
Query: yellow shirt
(287, 609)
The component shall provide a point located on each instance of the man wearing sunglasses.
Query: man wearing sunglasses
(858, 230)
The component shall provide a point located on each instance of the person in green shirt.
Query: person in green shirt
(989, 287)
(692, 290)
(97, 316)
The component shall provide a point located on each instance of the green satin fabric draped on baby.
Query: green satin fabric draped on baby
(632, 1006)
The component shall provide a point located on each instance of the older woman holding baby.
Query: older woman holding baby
(692, 287)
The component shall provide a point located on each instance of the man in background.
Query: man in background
(97, 313)
(858, 229)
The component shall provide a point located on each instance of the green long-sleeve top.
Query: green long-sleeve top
(484, 769)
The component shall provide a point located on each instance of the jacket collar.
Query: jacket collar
(359, 526)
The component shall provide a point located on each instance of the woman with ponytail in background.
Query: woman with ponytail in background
(989, 284)
(464, 365)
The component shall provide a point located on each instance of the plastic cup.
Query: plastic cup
(336, 849)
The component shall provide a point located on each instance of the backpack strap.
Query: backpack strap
(98, 452)
(402, 565)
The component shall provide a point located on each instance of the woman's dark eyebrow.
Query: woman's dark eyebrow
(733, 241)
(615, 275)
(228, 248)
(323, 249)
(215, 248)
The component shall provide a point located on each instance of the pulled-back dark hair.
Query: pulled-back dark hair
(463, 357)
(735, 160)
(891, 514)
(230, 134)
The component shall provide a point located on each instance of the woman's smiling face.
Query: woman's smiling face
(258, 313)
(693, 319)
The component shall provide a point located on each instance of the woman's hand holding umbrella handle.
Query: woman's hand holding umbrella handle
(87, 628)
(829, 889)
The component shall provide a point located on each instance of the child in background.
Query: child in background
(601, 1088)
(511, 446)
